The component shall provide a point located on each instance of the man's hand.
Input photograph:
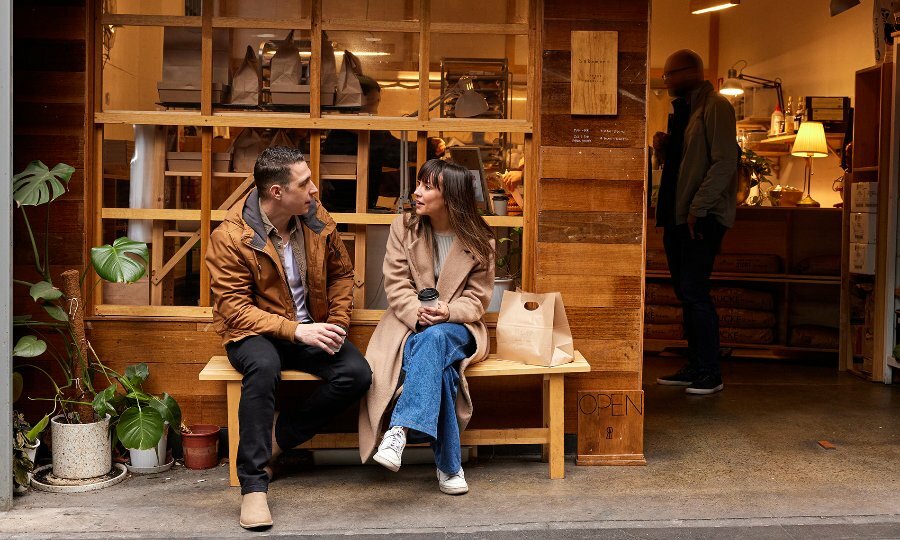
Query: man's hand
(691, 223)
(430, 316)
(328, 337)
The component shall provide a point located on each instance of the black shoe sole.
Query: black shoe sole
(704, 391)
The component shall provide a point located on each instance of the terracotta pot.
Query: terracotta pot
(201, 446)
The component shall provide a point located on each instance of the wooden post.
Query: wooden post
(233, 399)
(206, 135)
(362, 202)
(557, 426)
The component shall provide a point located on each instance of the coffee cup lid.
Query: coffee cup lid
(428, 294)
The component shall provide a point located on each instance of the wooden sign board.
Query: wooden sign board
(611, 427)
(594, 73)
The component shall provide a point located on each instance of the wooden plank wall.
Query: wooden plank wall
(592, 196)
(48, 125)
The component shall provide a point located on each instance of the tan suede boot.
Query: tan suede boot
(255, 511)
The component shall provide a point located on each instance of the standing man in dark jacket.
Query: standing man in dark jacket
(696, 206)
(282, 285)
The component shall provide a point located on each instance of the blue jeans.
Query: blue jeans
(427, 405)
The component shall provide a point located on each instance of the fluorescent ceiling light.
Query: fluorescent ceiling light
(706, 6)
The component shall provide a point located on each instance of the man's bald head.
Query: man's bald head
(683, 72)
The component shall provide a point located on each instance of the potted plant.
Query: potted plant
(80, 424)
(141, 419)
(26, 441)
(509, 266)
(752, 172)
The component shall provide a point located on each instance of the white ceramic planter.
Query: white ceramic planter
(80, 450)
(500, 285)
(153, 457)
(30, 453)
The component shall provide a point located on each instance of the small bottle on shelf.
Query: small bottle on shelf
(800, 115)
(788, 118)
(777, 123)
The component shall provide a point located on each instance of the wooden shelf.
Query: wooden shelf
(780, 145)
(755, 121)
(185, 214)
(215, 174)
(873, 168)
(772, 278)
(288, 120)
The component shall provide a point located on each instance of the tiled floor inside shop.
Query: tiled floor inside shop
(744, 463)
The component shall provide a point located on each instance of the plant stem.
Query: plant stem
(34, 248)
(22, 282)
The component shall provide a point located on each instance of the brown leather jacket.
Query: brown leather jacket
(250, 292)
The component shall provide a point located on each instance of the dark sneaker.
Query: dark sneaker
(684, 377)
(706, 384)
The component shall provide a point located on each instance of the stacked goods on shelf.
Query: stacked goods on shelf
(745, 315)
(730, 263)
(863, 223)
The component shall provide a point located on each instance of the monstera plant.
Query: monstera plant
(136, 415)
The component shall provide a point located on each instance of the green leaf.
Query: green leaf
(136, 374)
(56, 312)
(169, 409)
(117, 262)
(140, 428)
(29, 347)
(103, 402)
(38, 428)
(44, 291)
(39, 185)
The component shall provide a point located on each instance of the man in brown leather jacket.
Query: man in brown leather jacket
(282, 285)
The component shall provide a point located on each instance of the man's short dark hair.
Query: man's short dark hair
(273, 166)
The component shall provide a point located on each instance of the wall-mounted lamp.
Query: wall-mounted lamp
(706, 6)
(733, 87)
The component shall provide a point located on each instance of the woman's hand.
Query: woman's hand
(430, 316)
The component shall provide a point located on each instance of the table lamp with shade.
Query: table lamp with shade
(810, 143)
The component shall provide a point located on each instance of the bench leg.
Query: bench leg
(557, 426)
(545, 401)
(234, 434)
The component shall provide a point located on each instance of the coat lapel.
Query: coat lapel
(455, 271)
(421, 259)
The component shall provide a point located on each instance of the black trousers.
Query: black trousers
(260, 359)
(691, 263)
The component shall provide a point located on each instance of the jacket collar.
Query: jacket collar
(247, 210)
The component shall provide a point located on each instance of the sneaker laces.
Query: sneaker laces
(394, 439)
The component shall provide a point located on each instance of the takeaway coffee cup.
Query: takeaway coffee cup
(428, 297)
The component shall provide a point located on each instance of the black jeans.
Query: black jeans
(691, 263)
(260, 359)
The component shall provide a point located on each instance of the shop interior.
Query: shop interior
(796, 280)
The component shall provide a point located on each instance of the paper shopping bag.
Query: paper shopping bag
(247, 81)
(245, 149)
(533, 329)
(349, 91)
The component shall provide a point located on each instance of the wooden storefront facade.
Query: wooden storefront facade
(585, 194)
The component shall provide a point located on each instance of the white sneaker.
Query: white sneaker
(453, 484)
(391, 448)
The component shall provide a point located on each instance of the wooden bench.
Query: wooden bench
(550, 436)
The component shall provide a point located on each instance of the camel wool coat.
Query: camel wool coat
(463, 284)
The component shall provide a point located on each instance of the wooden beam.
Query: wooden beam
(480, 28)
(346, 25)
(116, 19)
(249, 23)
(424, 60)
(532, 143)
(315, 66)
(304, 121)
(171, 312)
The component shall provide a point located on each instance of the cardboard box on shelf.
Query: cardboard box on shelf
(127, 294)
(864, 197)
(862, 227)
(862, 258)
(191, 161)
(337, 164)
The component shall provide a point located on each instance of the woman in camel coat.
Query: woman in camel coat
(418, 355)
